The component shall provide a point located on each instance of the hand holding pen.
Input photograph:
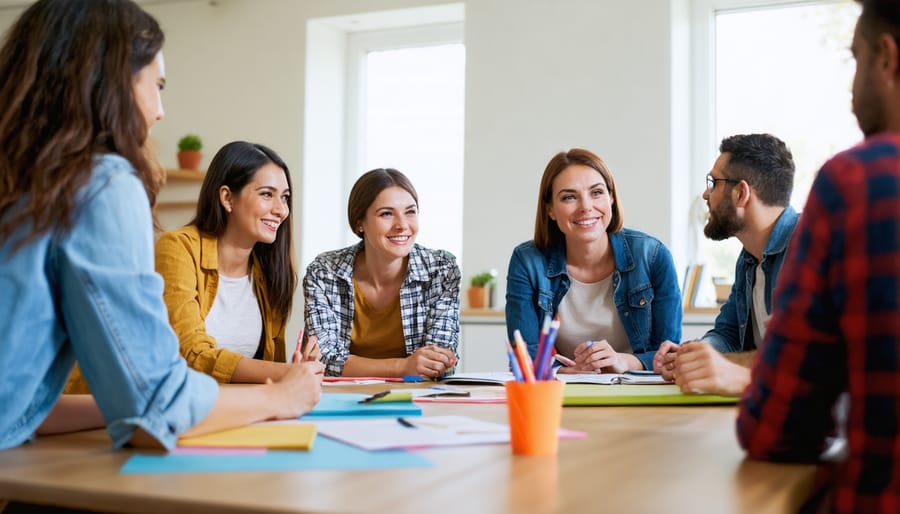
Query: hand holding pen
(306, 352)
(599, 356)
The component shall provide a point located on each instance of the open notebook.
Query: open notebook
(609, 378)
(483, 378)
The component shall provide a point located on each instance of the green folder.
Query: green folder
(623, 394)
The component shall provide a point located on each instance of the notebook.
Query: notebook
(296, 436)
(609, 378)
(629, 394)
(482, 378)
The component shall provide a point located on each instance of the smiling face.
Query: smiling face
(259, 208)
(148, 85)
(580, 204)
(391, 223)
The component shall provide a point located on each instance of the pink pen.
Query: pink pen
(297, 353)
(565, 361)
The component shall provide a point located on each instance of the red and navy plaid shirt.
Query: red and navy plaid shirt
(835, 327)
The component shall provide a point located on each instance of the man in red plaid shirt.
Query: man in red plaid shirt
(836, 320)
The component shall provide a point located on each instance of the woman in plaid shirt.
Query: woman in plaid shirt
(385, 306)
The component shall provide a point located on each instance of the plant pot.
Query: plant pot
(479, 297)
(189, 159)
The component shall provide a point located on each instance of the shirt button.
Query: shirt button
(643, 302)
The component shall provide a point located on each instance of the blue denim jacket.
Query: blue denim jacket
(645, 290)
(91, 294)
(732, 330)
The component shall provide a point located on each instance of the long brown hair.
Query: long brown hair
(66, 76)
(546, 232)
(234, 165)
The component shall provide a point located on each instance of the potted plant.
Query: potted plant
(189, 152)
(480, 287)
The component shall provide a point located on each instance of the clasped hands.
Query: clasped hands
(430, 361)
(696, 367)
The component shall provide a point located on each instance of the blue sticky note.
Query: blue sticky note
(347, 406)
(326, 454)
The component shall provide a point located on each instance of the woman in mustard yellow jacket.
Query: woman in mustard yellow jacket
(229, 274)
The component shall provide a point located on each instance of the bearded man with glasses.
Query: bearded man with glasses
(748, 192)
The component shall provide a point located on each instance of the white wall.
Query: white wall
(542, 76)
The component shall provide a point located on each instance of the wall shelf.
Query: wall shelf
(184, 175)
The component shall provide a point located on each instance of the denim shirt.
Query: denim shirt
(91, 294)
(645, 291)
(732, 330)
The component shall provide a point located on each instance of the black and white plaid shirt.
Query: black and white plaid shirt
(429, 302)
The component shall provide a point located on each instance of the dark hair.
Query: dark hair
(764, 162)
(66, 77)
(234, 165)
(546, 231)
(879, 17)
(369, 186)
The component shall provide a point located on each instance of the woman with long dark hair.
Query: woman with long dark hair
(229, 274)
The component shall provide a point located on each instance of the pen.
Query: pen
(544, 356)
(376, 396)
(297, 355)
(405, 423)
(525, 363)
(565, 361)
(542, 341)
(514, 363)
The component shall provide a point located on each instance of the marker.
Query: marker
(405, 423)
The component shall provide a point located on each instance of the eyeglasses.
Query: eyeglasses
(711, 182)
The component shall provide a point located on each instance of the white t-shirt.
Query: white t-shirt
(758, 314)
(588, 313)
(234, 319)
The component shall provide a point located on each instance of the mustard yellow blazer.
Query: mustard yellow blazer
(188, 263)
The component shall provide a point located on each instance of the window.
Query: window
(407, 112)
(785, 69)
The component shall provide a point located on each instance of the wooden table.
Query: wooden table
(635, 459)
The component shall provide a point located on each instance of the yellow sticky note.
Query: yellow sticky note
(290, 436)
(394, 398)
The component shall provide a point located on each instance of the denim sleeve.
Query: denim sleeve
(111, 301)
(667, 305)
(522, 311)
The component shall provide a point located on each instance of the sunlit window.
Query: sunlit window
(786, 70)
(412, 120)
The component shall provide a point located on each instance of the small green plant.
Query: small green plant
(483, 279)
(190, 142)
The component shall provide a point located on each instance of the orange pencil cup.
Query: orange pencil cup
(534, 412)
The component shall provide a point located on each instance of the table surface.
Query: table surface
(635, 459)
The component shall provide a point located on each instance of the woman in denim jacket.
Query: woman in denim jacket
(615, 289)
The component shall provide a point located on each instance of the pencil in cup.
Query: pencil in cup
(534, 410)
(514, 363)
(545, 353)
(525, 363)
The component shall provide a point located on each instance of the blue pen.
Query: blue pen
(514, 363)
(547, 351)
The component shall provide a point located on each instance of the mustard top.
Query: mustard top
(376, 333)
